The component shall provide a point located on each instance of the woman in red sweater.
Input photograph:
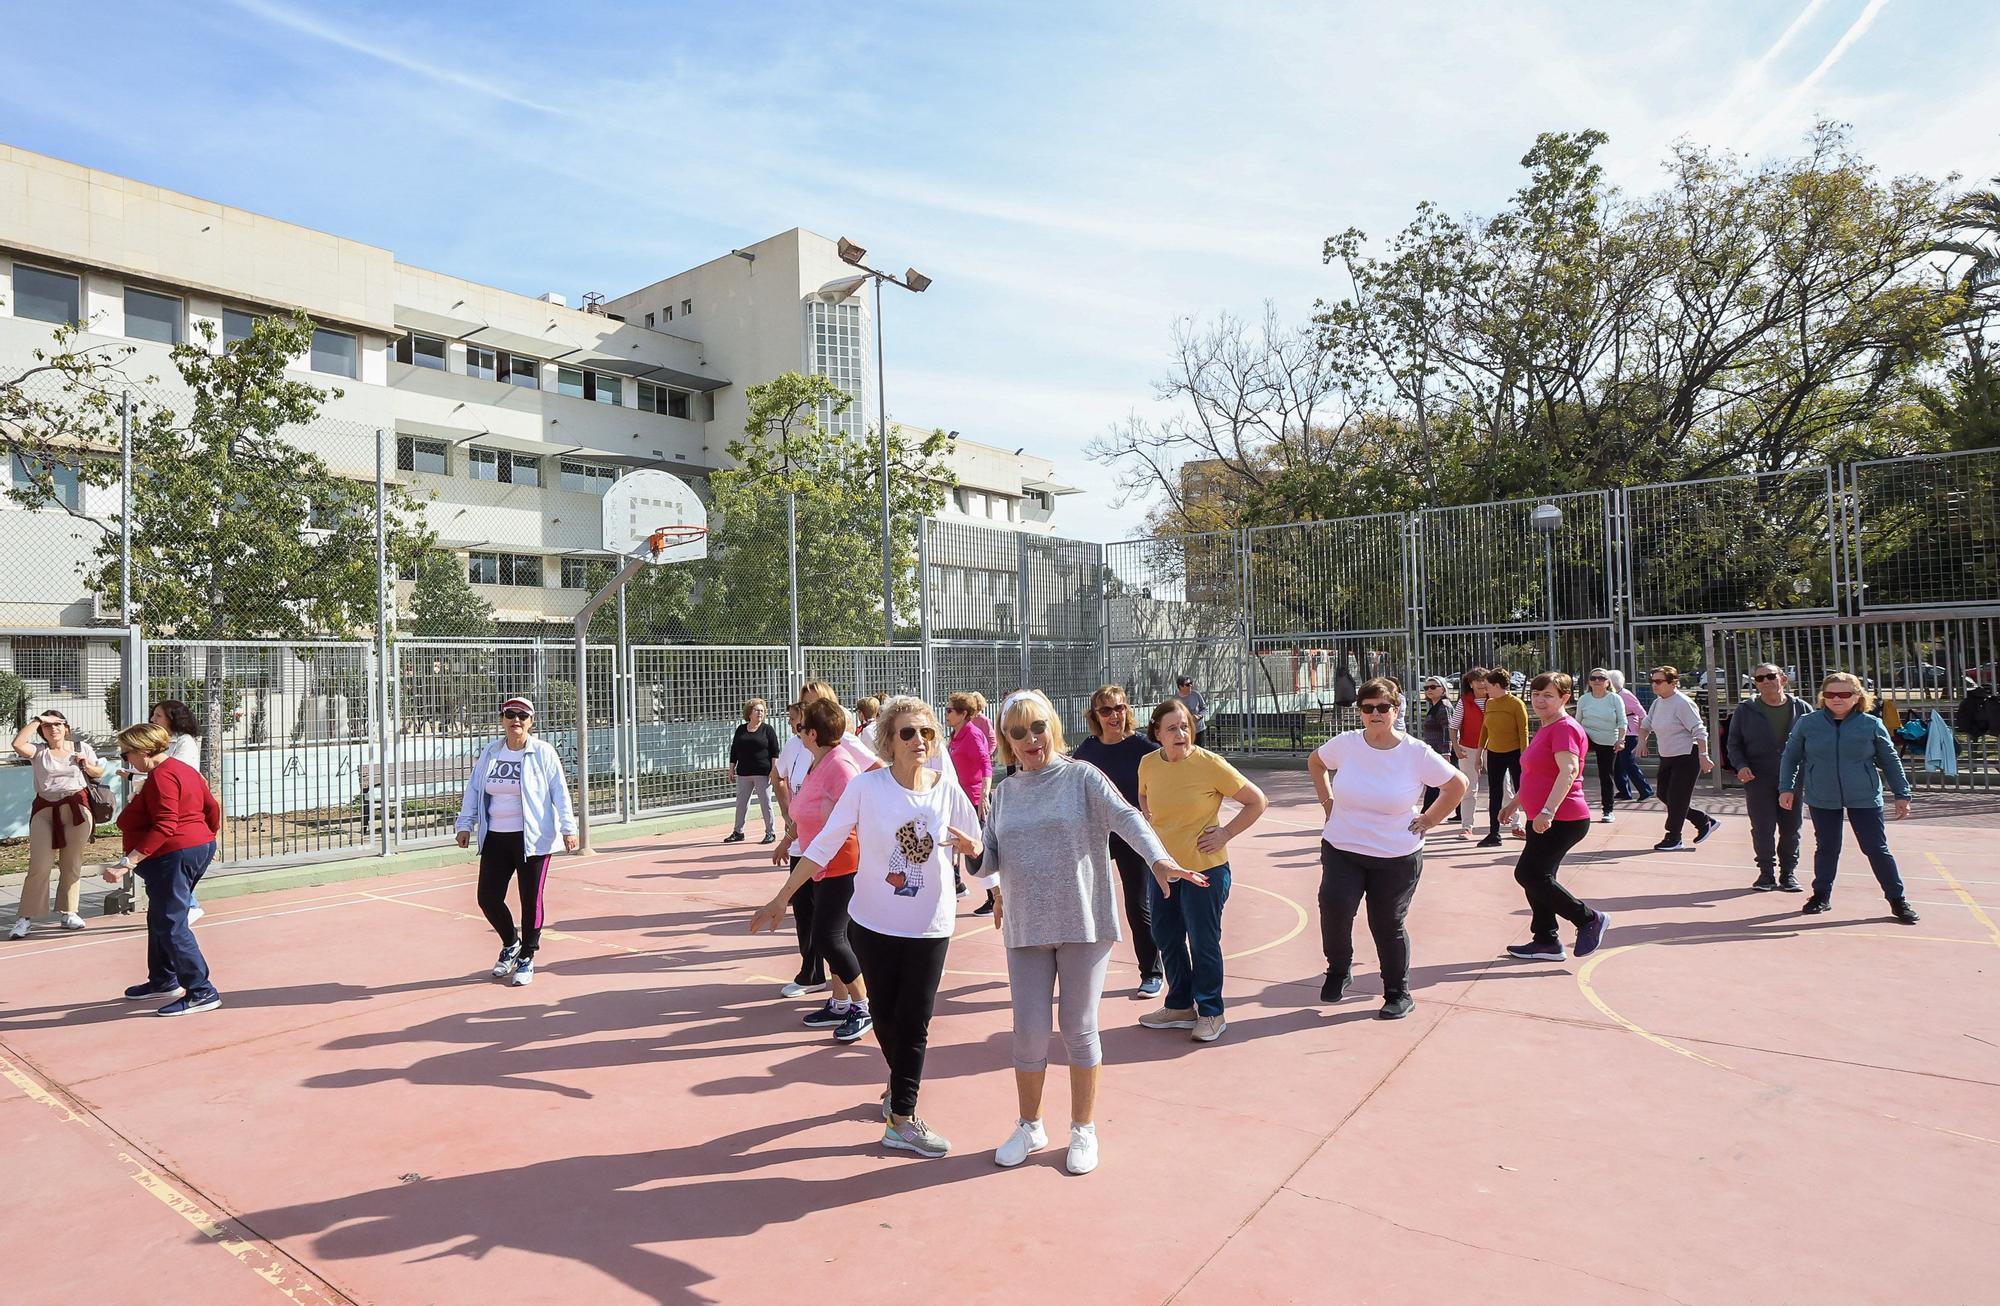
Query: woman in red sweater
(169, 828)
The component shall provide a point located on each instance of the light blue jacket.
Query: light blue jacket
(546, 815)
(1843, 761)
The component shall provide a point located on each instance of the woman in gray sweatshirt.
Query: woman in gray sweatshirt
(1057, 909)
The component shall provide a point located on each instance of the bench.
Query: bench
(424, 777)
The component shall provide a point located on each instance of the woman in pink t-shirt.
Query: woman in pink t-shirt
(1552, 788)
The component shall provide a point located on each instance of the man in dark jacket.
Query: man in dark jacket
(1757, 733)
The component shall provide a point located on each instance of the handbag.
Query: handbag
(98, 794)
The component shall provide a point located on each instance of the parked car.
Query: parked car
(1921, 675)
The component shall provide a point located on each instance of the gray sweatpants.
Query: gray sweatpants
(747, 785)
(1031, 975)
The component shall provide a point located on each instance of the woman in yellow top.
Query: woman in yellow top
(1181, 788)
(1503, 735)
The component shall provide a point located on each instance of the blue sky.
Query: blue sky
(1073, 176)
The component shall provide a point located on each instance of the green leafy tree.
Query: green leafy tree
(443, 602)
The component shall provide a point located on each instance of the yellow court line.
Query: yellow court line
(1978, 912)
(1583, 982)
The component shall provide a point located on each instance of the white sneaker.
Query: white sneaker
(798, 990)
(72, 921)
(1082, 1149)
(22, 925)
(509, 955)
(196, 912)
(1028, 1136)
(1606, 819)
(524, 973)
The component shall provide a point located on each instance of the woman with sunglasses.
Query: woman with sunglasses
(1601, 713)
(1381, 792)
(1676, 721)
(1842, 752)
(910, 820)
(1116, 749)
(1552, 788)
(517, 804)
(59, 823)
(1057, 909)
(1632, 784)
(1181, 790)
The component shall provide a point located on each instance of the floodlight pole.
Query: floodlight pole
(597, 600)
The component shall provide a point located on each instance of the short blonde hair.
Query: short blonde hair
(750, 703)
(967, 702)
(1024, 708)
(147, 739)
(813, 689)
(1862, 698)
(868, 708)
(890, 721)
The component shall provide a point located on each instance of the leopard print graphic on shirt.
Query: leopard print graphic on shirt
(914, 846)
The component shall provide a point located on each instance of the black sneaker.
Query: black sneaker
(1334, 987)
(825, 1017)
(1538, 950)
(1669, 846)
(858, 1022)
(1490, 841)
(1590, 934)
(1900, 908)
(1788, 882)
(959, 890)
(1767, 882)
(1706, 830)
(1815, 905)
(735, 838)
(984, 908)
(139, 992)
(768, 838)
(1395, 1007)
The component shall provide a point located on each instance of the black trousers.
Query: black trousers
(902, 977)
(1135, 875)
(1774, 832)
(1536, 872)
(1500, 766)
(1606, 757)
(812, 966)
(1387, 884)
(829, 926)
(1676, 785)
(503, 861)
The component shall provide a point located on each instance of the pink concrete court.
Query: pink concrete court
(1730, 1103)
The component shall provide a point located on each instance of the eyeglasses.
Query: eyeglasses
(1768, 675)
(1375, 709)
(1037, 728)
(907, 733)
(1660, 680)
(1842, 694)
(515, 714)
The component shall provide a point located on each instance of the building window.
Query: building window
(60, 479)
(609, 390)
(414, 455)
(237, 325)
(670, 312)
(649, 321)
(836, 355)
(503, 569)
(687, 308)
(664, 401)
(589, 478)
(569, 381)
(483, 364)
(152, 317)
(333, 352)
(505, 467)
(416, 350)
(47, 296)
(524, 371)
(582, 573)
(61, 665)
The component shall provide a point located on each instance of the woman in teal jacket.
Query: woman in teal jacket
(1843, 753)
(517, 803)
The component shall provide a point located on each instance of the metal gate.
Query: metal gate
(1938, 666)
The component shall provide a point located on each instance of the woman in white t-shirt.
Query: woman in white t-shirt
(910, 821)
(1373, 844)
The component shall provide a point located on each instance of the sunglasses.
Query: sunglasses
(1842, 694)
(1600, 677)
(515, 714)
(1661, 680)
(907, 733)
(1113, 709)
(1376, 709)
(1768, 675)
(1035, 728)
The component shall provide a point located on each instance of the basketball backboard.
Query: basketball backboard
(642, 502)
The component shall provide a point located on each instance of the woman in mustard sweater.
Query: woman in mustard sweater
(1503, 735)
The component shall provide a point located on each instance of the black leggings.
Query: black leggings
(829, 926)
(812, 967)
(1135, 875)
(1388, 884)
(503, 860)
(1536, 872)
(1499, 766)
(1676, 784)
(1606, 756)
(903, 976)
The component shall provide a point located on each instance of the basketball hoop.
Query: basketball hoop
(673, 537)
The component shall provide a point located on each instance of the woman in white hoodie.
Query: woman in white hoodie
(517, 802)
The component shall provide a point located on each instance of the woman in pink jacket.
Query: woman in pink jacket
(971, 750)
(1631, 781)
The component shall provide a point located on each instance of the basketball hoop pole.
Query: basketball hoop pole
(597, 600)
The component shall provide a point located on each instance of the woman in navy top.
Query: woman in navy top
(1115, 749)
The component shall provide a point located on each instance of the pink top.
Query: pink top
(814, 802)
(1634, 714)
(1538, 769)
(971, 748)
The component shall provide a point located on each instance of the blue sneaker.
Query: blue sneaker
(139, 992)
(858, 1022)
(192, 1003)
(1590, 934)
(825, 1017)
(1538, 950)
(524, 971)
(1150, 986)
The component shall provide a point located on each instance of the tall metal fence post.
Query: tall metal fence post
(385, 728)
(1021, 593)
(621, 669)
(139, 689)
(125, 509)
(1246, 652)
(927, 673)
(1103, 575)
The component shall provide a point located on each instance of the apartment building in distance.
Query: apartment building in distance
(509, 415)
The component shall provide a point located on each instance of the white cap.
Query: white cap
(518, 701)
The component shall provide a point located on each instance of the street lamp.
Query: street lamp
(1547, 519)
(916, 282)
